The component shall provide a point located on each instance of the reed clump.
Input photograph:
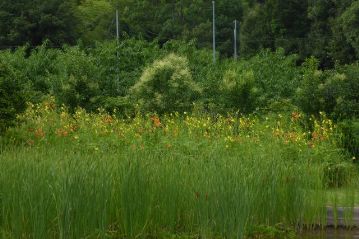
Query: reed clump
(87, 175)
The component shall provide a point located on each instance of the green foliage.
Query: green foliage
(279, 24)
(35, 69)
(276, 74)
(307, 94)
(122, 65)
(204, 72)
(325, 29)
(181, 20)
(166, 86)
(278, 231)
(333, 92)
(200, 60)
(92, 78)
(339, 174)
(350, 137)
(268, 77)
(12, 96)
(240, 90)
(349, 22)
(35, 21)
(94, 20)
(77, 79)
(39, 67)
(87, 175)
(254, 38)
(327, 39)
(340, 93)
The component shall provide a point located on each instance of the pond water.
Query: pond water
(330, 234)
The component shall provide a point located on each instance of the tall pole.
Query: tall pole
(235, 40)
(117, 27)
(214, 32)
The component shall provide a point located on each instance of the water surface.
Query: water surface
(330, 234)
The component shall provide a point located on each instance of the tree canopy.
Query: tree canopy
(326, 29)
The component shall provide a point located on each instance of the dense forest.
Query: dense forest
(326, 29)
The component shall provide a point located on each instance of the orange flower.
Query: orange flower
(315, 136)
(73, 128)
(62, 133)
(50, 105)
(311, 144)
(295, 116)
(39, 133)
(107, 119)
(30, 142)
(156, 121)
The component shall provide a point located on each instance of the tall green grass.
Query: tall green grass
(159, 183)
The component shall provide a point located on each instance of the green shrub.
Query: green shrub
(269, 77)
(331, 91)
(350, 136)
(76, 80)
(240, 90)
(204, 73)
(275, 74)
(338, 174)
(307, 95)
(166, 86)
(348, 22)
(12, 96)
(122, 64)
(345, 83)
(260, 81)
(39, 71)
(34, 67)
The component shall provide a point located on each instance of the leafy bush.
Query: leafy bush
(331, 91)
(348, 21)
(166, 86)
(276, 74)
(76, 81)
(122, 64)
(339, 174)
(34, 67)
(240, 90)
(260, 81)
(345, 84)
(350, 136)
(308, 94)
(12, 96)
(204, 73)
(39, 69)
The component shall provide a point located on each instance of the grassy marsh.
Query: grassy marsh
(98, 176)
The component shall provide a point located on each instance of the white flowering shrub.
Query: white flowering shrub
(166, 86)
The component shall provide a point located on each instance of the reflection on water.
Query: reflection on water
(330, 234)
